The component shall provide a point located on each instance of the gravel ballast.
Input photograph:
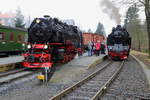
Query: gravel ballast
(130, 84)
(64, 77)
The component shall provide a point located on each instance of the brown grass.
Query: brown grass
(142, 56)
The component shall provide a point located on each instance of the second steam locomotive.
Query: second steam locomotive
(119, 43)
(51, 41)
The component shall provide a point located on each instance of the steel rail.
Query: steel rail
(18, 77)
(106, 85)
(12, 72)
(69, 89)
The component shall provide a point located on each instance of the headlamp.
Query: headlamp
(29, 46)
(46, 46)
(126, 47)
(37, 20)
(23, 44)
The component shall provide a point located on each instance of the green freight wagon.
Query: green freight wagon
(12, 40)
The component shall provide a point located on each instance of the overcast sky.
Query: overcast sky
(86, 13)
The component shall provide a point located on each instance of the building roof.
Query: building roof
(6, 16)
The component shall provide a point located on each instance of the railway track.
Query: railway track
(11, 72)
(15, 75)
(93, 86)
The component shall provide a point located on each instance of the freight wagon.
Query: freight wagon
(12, 40)
(87, 37)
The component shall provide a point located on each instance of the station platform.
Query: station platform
(8, 63)
(69, 71)
(10, 60)
(87, 61)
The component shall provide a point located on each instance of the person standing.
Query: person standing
(97, 48)
(102, 48)
(90, 47)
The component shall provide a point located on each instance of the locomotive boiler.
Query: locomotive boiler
(118, 43)
(51, 41)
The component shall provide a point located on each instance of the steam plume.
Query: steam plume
(111, 10)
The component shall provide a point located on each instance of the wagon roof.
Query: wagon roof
(15, 28)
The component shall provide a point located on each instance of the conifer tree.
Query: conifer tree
(19, 19)
(100, 29)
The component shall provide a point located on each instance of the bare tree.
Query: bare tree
(141, 3)
(133, 25)
(147, 13)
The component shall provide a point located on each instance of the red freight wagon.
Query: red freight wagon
(92, 37)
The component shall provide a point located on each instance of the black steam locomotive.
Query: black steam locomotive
(119, 43)
(51, 41)
(48, 30)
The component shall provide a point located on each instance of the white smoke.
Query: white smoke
(110, 9)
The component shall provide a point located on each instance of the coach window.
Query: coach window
(20, 37)
(1, 36)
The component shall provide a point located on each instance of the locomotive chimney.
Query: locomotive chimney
(46, 16)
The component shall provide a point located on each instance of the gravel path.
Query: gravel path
(130, 85)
